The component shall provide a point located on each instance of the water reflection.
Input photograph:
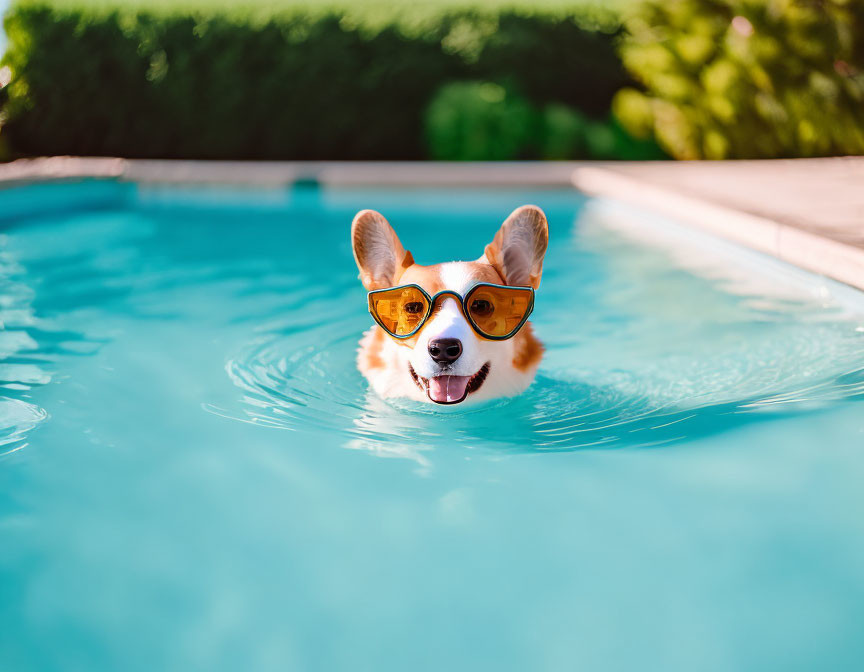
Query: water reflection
(23, 365)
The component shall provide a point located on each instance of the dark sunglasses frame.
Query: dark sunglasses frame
(463, 301)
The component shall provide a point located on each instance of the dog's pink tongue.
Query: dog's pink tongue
(447, 389)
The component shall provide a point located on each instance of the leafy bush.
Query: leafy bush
(746, 79)
(471, 121)
(286, 81)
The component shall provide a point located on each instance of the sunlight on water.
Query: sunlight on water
(645, 354)
(189, 459)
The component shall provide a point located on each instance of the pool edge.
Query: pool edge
(793, 244)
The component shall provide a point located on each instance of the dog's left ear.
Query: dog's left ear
(517, 250)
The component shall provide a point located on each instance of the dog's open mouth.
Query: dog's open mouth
(450, 389)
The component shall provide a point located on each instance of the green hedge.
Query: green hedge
(294, 81)
(747, 79)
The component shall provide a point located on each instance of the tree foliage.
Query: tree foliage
(746, 78)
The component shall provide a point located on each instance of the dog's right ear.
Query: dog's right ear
(377, 250)
(519, 246)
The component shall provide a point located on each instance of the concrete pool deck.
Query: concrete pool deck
(808, 212)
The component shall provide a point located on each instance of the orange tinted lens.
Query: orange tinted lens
(400, 310)
(498, 311)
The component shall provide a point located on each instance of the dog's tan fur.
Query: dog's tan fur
(513, 257)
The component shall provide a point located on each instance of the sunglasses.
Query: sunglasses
(495, 312)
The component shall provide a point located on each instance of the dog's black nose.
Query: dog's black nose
(445, 350)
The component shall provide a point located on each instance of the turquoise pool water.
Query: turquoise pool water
(194, 477)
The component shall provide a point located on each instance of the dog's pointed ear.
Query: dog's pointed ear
(377, 250)
(517, 250)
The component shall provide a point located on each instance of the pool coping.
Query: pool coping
(794, 245)
(285, 173)
(783, 240)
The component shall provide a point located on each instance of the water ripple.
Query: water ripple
(17, 418)
(302, 378)
(29, 349)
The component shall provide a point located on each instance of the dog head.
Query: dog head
(447, 362)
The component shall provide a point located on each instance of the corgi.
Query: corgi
(446, 360)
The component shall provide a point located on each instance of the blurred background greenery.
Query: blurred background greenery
(485, 79)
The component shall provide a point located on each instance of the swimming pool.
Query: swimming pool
(195, 477)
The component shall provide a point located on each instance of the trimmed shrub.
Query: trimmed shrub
(285, 81)
(744, 79)
(563, 133)
(473, 121)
